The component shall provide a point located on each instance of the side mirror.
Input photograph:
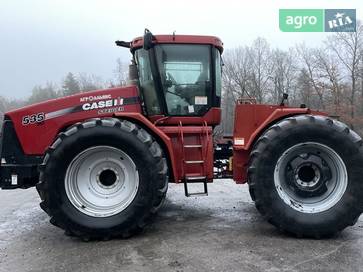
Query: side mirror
(148, 40)
(133, 73)
(285, 96)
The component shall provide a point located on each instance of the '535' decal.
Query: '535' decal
(32, 119)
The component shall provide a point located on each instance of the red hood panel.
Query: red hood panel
(37, 125)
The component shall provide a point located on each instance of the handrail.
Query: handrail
(182, 146)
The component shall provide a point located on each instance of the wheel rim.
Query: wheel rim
(310, 177)
(101, 181)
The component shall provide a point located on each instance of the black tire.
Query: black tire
(139, 145)
(275, 142)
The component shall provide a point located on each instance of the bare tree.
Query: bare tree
(329, 72)
(283, 74)
(236, 83)
(348, 48)
(304, 87)
(121, 73)
(90, 82)
(261, 68)
(310, 64)
(236, 72)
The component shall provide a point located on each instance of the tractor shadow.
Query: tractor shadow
(205, 216)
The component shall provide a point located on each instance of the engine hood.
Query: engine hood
(46, 119)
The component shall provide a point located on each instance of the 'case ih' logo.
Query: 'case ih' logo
(103, 104)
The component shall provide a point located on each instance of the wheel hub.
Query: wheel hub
(101, 181)
(310, 177)
(307, 175)
(107, 177)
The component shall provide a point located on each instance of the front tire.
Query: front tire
(103, 178)
(305, 176)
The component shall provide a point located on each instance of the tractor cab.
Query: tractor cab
(178, 76)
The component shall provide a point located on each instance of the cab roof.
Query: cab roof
(179, 39)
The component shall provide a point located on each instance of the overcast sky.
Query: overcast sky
(42, 40)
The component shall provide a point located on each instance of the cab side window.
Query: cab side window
(186, 78)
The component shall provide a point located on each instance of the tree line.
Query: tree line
(327, 78)
(71, 84)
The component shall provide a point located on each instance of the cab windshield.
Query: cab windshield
(183, 74)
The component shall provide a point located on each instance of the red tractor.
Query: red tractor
(102, 160)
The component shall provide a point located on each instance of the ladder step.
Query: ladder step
(193, 146)
(193, 162)
(195, 178)
(197, 194)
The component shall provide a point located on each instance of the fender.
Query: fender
(250, 121)
(164, 140)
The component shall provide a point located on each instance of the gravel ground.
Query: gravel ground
(221, 232)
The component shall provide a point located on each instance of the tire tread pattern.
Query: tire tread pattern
(158, 198)
(260, 148)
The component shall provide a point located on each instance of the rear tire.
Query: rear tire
(103, 178)
(305, 176)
